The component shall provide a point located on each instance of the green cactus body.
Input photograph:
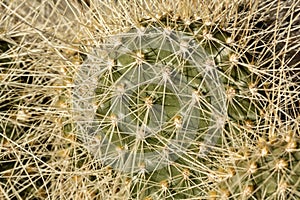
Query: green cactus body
(150, 96)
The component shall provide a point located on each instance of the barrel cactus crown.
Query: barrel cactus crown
(154, 100)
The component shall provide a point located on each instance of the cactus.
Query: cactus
(158, 99)
(149, 99)
(269, 172)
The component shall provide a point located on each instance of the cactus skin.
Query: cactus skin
(152, 95)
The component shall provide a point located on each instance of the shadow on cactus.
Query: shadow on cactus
(154, 101)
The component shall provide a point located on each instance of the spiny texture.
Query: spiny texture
(155, 97)
(92, 89)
